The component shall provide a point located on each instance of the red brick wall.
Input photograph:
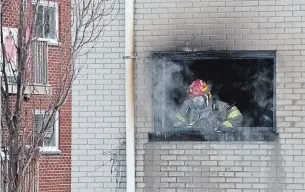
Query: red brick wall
(54, 170)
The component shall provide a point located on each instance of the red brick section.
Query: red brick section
(54, 170)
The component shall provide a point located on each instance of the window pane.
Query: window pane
(50, 23)
(49, 140)
(39, 22)
(38, 118)
(37, 123)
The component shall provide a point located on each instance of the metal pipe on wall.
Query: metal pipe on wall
(129, 91)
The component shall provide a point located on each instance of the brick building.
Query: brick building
(53, 41)
(273, 29)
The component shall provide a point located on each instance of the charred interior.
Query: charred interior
(245, 83)
(243, 79)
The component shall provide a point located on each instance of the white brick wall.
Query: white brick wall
(164, 25)
(98, 115)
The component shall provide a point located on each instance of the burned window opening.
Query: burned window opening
(245, 79)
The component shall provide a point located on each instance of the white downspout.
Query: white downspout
(129, 88)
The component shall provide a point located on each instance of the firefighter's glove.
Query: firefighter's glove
(178, 124)
(224, 128)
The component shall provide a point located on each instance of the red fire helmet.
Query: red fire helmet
(198, 88)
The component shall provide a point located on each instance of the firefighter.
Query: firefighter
(202, 110)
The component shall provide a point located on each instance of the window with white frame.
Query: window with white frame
(47, 20)
(10, 38)
(50, 141)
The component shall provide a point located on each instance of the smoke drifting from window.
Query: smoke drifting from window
(172, 78)
(167, 78)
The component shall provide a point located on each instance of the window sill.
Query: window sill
(50, 41)
(36, 89)
(49, 151)
(264, 134)
(40, 89)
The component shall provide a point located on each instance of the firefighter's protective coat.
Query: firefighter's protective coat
(215, 114)
(202, 110)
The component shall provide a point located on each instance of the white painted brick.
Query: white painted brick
(298, 2)
(244, 25)
(234, 190)
(217, 4)
(233, 15)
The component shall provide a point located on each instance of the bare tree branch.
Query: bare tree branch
(19, 142)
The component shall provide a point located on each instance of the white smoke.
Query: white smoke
(168, 83)
(260, 86)
(171, 79)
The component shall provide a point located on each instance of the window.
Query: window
(242, 79)
(47, 21)
(10, 45)
(40, 62)
(50, 142)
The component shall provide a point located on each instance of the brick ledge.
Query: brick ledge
(248, 134)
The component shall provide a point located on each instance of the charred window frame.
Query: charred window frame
(162, 133)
